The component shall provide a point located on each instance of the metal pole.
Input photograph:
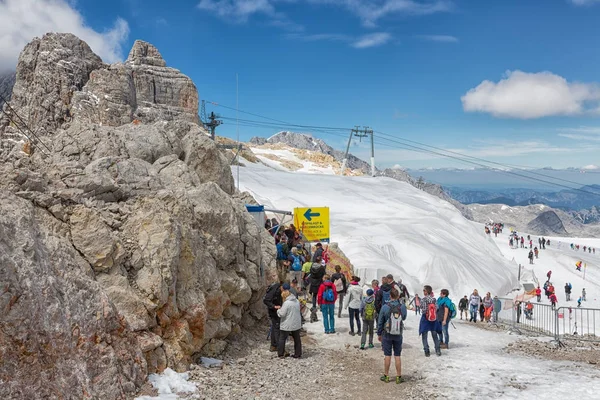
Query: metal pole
(519, 272)
(372, 155)
(346, 154)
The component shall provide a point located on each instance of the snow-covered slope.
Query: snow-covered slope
(386, 226)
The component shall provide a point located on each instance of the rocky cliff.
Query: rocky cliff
(547, 223)
(124, 247)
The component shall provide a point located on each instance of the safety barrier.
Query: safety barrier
(562, 323)
(578, 323)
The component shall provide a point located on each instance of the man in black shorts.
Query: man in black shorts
(389, 333)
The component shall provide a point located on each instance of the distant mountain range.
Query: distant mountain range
(568, 199)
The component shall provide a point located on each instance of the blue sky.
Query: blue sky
(514, 81)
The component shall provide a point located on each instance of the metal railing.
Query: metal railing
(561, 323)
(578, 323)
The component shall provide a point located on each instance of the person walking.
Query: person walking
(519, 310)
(368, 314)
(583, 294)
(444, 315)
(497, 307)
(463, 306)
(326, 298)
(568, 288)
(290, 323)
(273, 301)
(416, 303)
(429, 322)
(488, 306)
(474, 302)
(538, 293)
(353, 302)
(530, 256)
(317, 272)
(553, 300)
(339, 280)
(389, 333)
(383, 295)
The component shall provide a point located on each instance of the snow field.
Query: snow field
(386, 226)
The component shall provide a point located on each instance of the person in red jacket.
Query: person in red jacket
(538, 293)
(326, 298)
(553, 300)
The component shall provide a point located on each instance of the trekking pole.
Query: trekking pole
(453, 324)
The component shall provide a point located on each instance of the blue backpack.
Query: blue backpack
(297, 264)
(328, 295)
(385, 297)
(280, 253)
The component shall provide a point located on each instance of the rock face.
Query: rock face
(547, 223)
(125, 250)
(307, 142)
(143, 88)
(50, 70)
(7, 81)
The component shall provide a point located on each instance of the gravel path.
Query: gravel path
(332, 367)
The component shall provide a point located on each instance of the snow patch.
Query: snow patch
(168, 384)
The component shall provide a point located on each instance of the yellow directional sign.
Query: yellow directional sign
(313, 222)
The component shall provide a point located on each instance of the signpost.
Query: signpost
(313, 222)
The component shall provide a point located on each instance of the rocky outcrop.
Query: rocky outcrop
(547, 223)
(124, 251)
(143, 88)
(307, 142)
(50, 70)
(7, 81)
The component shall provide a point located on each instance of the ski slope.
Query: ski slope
(560, 259)
(386, 226)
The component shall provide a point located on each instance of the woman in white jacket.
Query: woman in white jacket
(291, 322)
(354, 298)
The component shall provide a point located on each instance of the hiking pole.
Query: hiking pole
(453, 324)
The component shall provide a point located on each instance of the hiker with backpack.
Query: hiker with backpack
(429, 321)
(326, 298)
(474, 302)
(273, 301)
(383, 295)
(463, 306)
(290, 322)
(568, 288)
(446, 310)
(353, 302)
(368, 315)
(389, 333)
(488, 307)
(530, 256)
(317, 272)
(341, 286)
(296, 261)
(318, 252)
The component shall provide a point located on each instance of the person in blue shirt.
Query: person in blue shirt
(443, 316)
(389, 332)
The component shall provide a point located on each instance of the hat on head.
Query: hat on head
(390, 276)
(286, 286)
(370, 292)
(319, 245)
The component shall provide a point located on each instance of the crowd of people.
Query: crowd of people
(494, 227)
(585, 248)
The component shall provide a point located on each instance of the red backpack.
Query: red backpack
(431, 312)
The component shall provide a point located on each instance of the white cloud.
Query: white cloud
(439, 38)
(398, 167)
(532, 95)
(360, 42)
(583, 133)
(372, 40)
(590, 167)
(369, 11)
(22, 20)
(584, 2)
